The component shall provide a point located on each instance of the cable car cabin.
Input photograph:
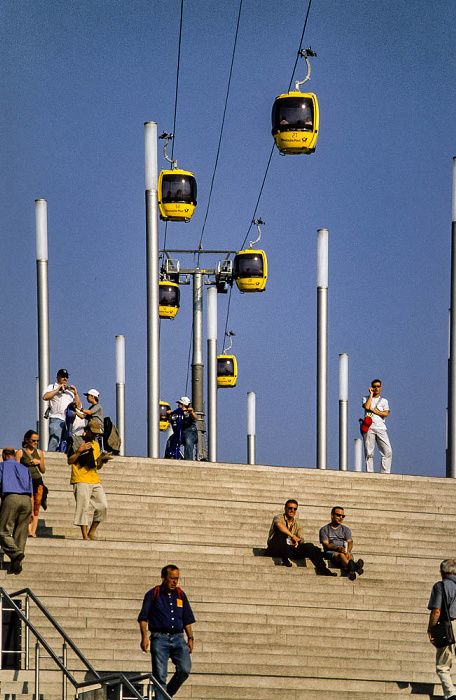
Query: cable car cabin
(250, 270)
(226, 370)
(168, 299)
(164, 422)
(176, 195)
(295, 121)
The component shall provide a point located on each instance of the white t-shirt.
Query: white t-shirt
(380, 404)
(59, 402)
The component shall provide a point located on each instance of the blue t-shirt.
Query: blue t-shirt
(168, 613)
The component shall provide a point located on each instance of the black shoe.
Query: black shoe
(359, 567)
(351, 570)
(286, 562)
(16, 565)
(325, 572)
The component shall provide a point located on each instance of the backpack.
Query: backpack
(179, 591)
(111, 437)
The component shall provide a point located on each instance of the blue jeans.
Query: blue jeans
(56, 428)
(190, 438)
(174, 647)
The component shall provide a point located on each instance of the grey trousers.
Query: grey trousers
(14, 521)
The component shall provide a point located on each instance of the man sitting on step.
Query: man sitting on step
(286, 540)
(337, 543)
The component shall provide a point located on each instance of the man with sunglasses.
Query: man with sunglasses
(377, 408)
(286, 540)
(337, 542)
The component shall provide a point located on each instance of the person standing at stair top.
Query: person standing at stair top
(91, 503)
(337, 542)
(444, 656)
(16, 491)
(59, 395)
(378, 409)
(286, 540)
(166, 612)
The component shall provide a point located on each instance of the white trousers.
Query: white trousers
(443, 663)
(379, 436)
(91, 504)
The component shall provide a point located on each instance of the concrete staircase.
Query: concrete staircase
(262, 630)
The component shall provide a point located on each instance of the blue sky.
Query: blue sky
(78, 81)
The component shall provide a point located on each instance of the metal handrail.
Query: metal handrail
(121, 678)
(55, 624)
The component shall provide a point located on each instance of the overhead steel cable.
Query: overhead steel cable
(270, 158)
(175, 99)
(221, 129)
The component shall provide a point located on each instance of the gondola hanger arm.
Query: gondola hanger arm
(305, 53)
(168, 137)
(257, 223)
(228, 334)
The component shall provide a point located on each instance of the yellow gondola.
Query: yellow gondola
(176, 195)
(164, 422)
(250, 270)
(226, 370)
(295, 122)
(168, 299)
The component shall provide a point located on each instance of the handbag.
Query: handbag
(442, 631)
(365, 423)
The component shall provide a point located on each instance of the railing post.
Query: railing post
(37, 670)
(27, 633)
(64, 678)
(1, 632)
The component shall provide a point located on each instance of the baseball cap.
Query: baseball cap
(92, 392)
(184, 400)
(63, 373)
(94, 427)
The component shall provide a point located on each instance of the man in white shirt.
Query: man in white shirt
(59, 395)
(377, 408)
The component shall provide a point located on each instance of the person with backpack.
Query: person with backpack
(166, 613)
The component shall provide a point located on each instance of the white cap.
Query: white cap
(184, 400)
(92, 392)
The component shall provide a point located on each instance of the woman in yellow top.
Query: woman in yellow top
(33, 458)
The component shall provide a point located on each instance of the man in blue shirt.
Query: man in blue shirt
(16, 491)
(166, 612)
(444, 656)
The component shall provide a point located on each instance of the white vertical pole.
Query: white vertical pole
(358, 455)
(153, 327)
(343, 411)
(322, 347)
(43, 315)
(251, 427)
(120, 390)
(212, 373)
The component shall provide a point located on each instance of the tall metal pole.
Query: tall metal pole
(43, 316)
(153, 327)
(197, 361)
(358, 455)
(451, 456)
(322, 347)
(212, 373)
(343, 412)
(251, 427)
(120, 390)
